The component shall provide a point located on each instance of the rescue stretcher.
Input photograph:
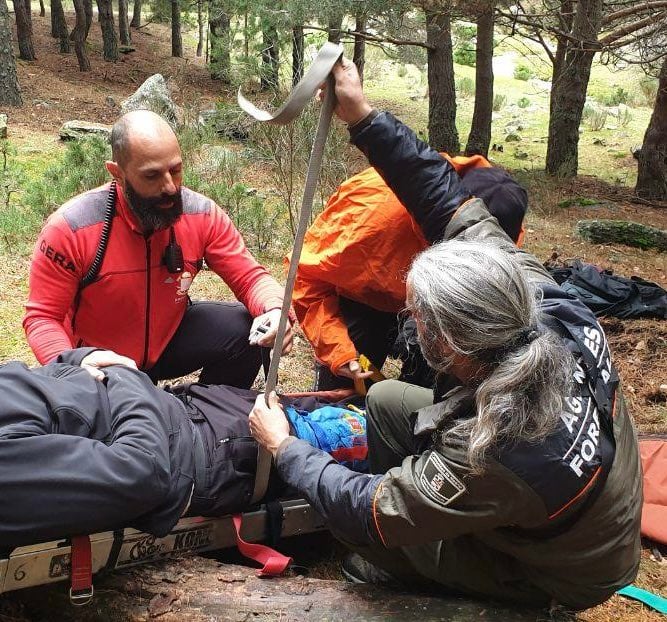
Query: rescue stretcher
(50, 562)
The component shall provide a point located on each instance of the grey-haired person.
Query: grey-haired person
(518, 477)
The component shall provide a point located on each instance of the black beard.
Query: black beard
(150, 215)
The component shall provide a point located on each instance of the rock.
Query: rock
(3, 126)
(75, 130)
(229, 122)
(513, 137)
(600, 141)
(110, 101)
(153, 95)
(126, 49)
(521, 155)
(622, 232)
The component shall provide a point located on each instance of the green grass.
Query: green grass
(403, 94)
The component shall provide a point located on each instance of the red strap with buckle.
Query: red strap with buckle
(273, 563)
(81, 571)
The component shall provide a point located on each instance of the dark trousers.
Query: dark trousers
(377, 334)
(213, 337)
(225, 452)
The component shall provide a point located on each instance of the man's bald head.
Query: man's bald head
(141, 128)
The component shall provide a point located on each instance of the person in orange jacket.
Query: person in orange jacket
(350, 282)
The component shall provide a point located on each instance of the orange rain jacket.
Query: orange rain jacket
(359, 247)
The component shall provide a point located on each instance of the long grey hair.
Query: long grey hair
(474, 298)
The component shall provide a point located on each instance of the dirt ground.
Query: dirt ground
(55, 91)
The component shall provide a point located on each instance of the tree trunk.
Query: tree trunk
(359, 54)
(136, 14)
(123, 23)
(480, 131)
(569, 97)
(297, 53)
(28, 11)
(54, 24)
(442, 131)
(10, 93)
(79, 35)
(176, 39)
(220, 44)
(23, 31)
(566, 18)
(58, 20)
(42, 9)
(334, 27)
(108, 26)
(88, 10)
(270, 58)
(622, 232)
(652, 171)
(200, 27)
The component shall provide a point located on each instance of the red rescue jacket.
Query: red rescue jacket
(135, 305)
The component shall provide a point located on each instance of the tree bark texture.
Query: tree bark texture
(176, 38)
(108, 26)
(124, 23)
(359, 54)
(219, 24)
(200, 27)
(88, 10)
(195, 589)
(28, 11)
(10, 93)
(565, 18)
(442, 131)
(569, 96)
(23, 31)
(480, 130)
(622, 232)
(42, 9)
(297, 53)
(54, 25)
(652, 157)
(136, 14)
(79, 35)
(58, 21)
(270, 58)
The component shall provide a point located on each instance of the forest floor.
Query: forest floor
(54, 91)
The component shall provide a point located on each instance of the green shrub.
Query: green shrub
(618, 96)
(499, 101)
(464, 44)
(523, 72)
(649, 89)
(524, 102)
(465, 87)
(80, 168)
(464, 56)
(594, 117)
(623, 116)
(17, 224)
(286, 151)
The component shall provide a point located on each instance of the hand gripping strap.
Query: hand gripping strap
(273, 563)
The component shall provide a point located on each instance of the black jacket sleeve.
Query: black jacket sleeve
(342, 496)
(54, 484)
(425, 183)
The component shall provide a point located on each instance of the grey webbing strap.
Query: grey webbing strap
(319, 71)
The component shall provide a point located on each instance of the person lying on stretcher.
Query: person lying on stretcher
(79, 455)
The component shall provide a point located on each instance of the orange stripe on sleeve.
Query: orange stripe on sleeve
(375, 516)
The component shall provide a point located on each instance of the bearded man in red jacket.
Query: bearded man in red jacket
(113, 266)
